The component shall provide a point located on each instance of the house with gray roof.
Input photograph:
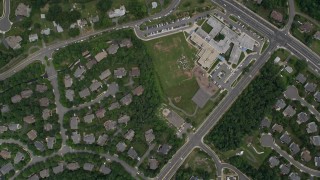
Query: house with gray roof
(285, 138)
(95, 85)
(317, 35)
(39, 145)
(18, 158)
(5, 108)
(138, 91)
(84, 93)
(317, 96)
(5, 169)
(50, 142)
(149, 136)
(32, 134)
(126, 100)
(302, 117)
(121, 146)
(129, 135)
(289, 111)
(294, 148)
(58, 169)
(44, 102)
(73, 166)
(91, 63)
(101, 55)
(15, 99)
(265, 123)
(164, 149)
(34, 177)
(102, 140)
(79, 72)
(120, 72)
(89, 138)
(315, 140)
(132, 153)
(44, 173)
(14, 127)
(110, 125)
(100, 113)
(3, 129)
(41, 88)
(23, 10)
(113, 106)
(88, 118)
(74, 121)
(67, 81)
(46, 113)
(29, 119)
(124, 119)
(70, 94)
(26, 93)
(285, 168)
(113, 49)
(301, 78)
(280, 104)
(76, 137)
(310, 87)
(47, 127)
(113, 88)
(153, 164)
(294, 176)
(273, 161)
(104, 169)
(88, 166)
(13, 42)
(312, 127)
(317, 161)
(105, 74)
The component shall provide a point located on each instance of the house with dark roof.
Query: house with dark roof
(89, 138)
(289, 111)
(58, 169)
(317, 96)
(315, 140)
(39, 145)
(74, 121)
(34, 177)
(302, 117)
(88, 118)
(149, 136)
(5, 108)
(294, 148)
(110, 125)
(126, 100)
(132, 153)
(306, 156)
(121, 146)
(317, 161)
(301, 78)
(285, 138)
(153, 164)
(13, 42)
(164, 149)
(88, 166)
(280, 104)
(102, 139)
(265, 123)
(294, 176)
(273, 161)
(5, 169)
(312, 127)
(104, 169)
(50, 142)
(285, 168)
(310, 87)
(76, 137)
(18, 158)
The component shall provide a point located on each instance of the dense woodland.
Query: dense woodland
(310, 7)
(246, 113)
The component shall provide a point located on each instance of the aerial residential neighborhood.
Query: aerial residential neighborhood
(160, 89)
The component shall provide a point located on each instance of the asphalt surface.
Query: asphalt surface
(5, 23)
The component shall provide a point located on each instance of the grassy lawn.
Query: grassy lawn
(191, 166)
(206, 27)
(194, 6)
(282, 54)
(175, 83)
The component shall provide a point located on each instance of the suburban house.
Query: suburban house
(23, 10)
(277, 128)
(84, 93)
(138, 91)
(126, 100)
(265, 123)
(74, 121)
(68, 81)
(164, 149)
(273, 161)
(79, 72)
(285, 138)
(153, 164)
(44, 173)
(317, 96)
(76, 137)
(289, 111)
(312, 127)
(100, 113)
(95, 85)
(113, 48)
(294, 148)
(285, 168)
(317, 35)
(113, 106)
(126, 43)
(105, 74)
(44, 102)
(129, 135)
(13, 42)
(29, 119)
(33, 37)
(306, 156)
(101, 55)
(50, 142)
(117, 12)
(277, 16)
(310, 87)
(132, 153)
(88, 166)
(58, 169)
(89, 138)
(41, 88)
(302, 117)
(135, 72)
(102, 139)
(280, 104)
(73, 166)
(294, 176)
(301, 78)
(315, 140)
(70, 94)
(104, 169)
(124, 119)
(15, 99)
(18, 158)
(306, 27)
(120, 72)
(121, 146)
(26, 93)
(47, 127)
(317, 161)
(88, 118)
(39, 145)
(110, 125)
(149, 136)
(32, 134)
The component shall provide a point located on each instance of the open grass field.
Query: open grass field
(197, 159)
(173, 59)
(193, 5)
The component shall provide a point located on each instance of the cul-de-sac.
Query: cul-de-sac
(160, 89)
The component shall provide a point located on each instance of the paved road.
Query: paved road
(5, 23)
(268, 141)
(272, 33)
(292, 13)
(47, 51)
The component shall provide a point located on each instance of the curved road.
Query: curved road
(5, 23)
